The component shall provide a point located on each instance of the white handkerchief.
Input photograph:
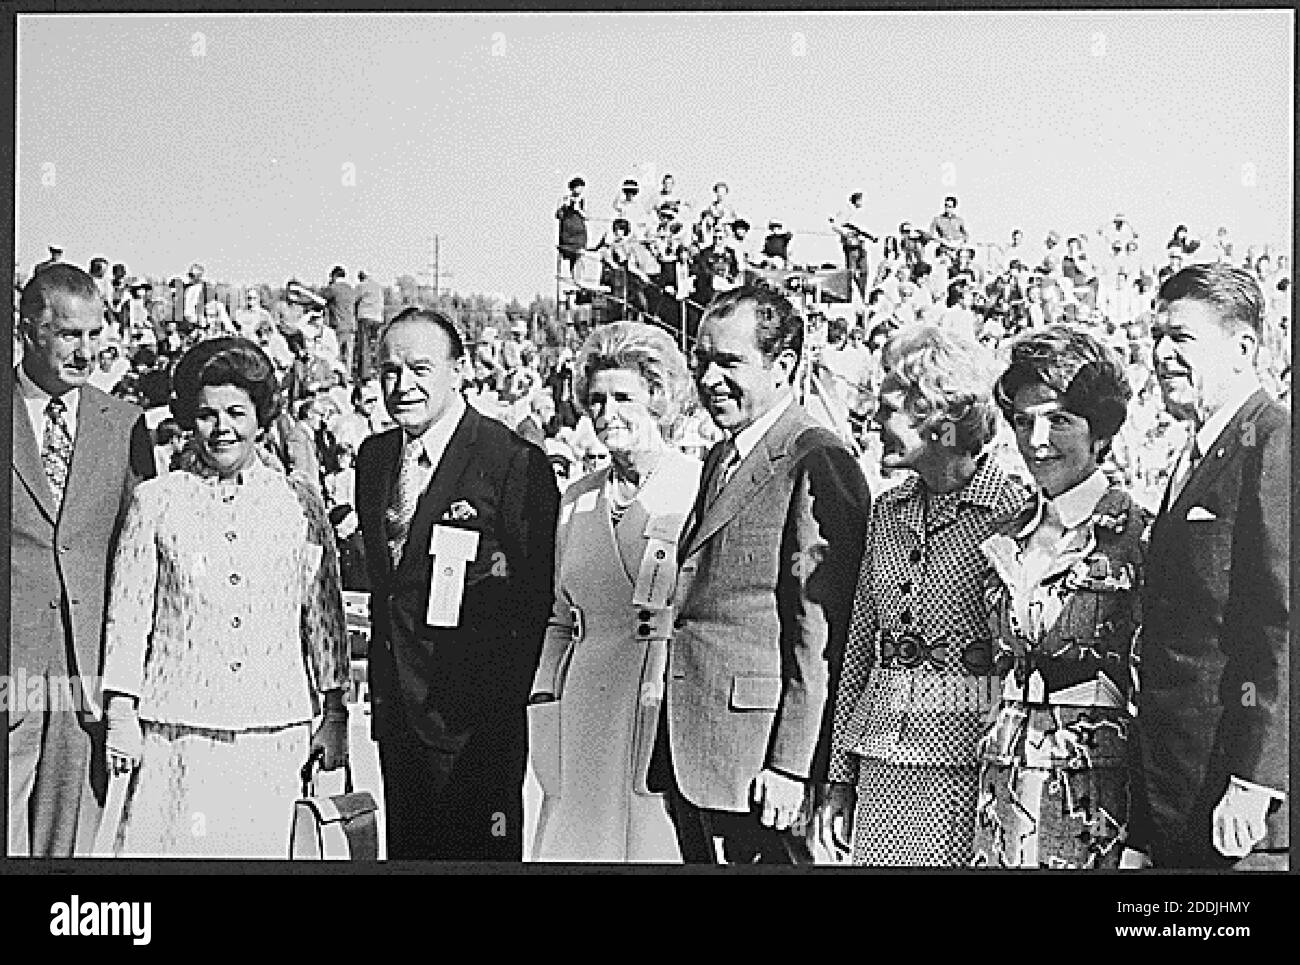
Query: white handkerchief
(1197, 513)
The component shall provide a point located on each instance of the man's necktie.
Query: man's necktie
(728, 460)
(1191, 457)
(406, 494)
(56, 448)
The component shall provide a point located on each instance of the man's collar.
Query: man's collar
(747, 438)
(434, 438)
(1241, 390)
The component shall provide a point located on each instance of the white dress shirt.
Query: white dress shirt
(36, 399)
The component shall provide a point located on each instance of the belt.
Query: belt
(908, 650)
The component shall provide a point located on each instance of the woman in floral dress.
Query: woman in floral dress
(1063, 589)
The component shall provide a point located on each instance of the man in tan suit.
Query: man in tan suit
(78, 454)
(764, 595)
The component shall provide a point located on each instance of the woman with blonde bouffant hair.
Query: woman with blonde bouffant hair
(917, 678)
(594, 710)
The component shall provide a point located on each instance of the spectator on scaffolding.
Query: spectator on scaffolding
(321, 341)
(667, 202)
(719, 267)
(949, 229)
(776, 247)
(932, 281)
(912, 241)
(630, 269)
(629, 207)
(572, 215)
(1183, 242)
(1051, 255)
(850, 224)
(1118, 231)
(965, 269)
(1015, 250)
(720, 209)
(891, 259)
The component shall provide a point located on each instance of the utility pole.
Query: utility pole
(433, 270)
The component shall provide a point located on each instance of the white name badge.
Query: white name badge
(451, 549)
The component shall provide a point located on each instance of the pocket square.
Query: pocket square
(460, 511)
(1199, 514)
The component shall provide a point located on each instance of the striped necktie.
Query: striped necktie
(56, 448)
(1182, 472)
(406, 494)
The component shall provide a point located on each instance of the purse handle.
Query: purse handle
(308, 773)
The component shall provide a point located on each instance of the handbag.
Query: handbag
(333, 827)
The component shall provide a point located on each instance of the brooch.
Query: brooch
(1115, 522)
(460, 511)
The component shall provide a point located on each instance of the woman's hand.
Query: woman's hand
(331, 738)
(833, 819)
(124, 742)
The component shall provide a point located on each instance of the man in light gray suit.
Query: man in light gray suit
(77, 456)
(764, 595)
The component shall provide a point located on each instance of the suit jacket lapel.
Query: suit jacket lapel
(371, 510)
(750, 476)
(27, 459)
(91, 451)
(1219, 455)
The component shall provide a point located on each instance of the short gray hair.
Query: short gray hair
(640, 348)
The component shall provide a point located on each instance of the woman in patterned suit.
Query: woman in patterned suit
(594, 710)
(917, 669)
(225, 630)
(1063, 590)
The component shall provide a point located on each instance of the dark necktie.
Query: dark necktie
(56, 448)
(728, 460)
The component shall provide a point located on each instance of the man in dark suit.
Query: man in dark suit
(458, 517)
(764, 595)
(1212, 713)
(78, 454)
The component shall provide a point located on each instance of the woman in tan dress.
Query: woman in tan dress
(594, 709)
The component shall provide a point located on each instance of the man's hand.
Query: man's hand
(124, 742)
(1240, 819)
(1131, 859)
(833, 818)
(778, 797)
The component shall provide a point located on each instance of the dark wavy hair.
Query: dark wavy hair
(1088, 376)
(225, 361)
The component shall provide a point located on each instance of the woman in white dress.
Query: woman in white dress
(225, 633)
(594, 709)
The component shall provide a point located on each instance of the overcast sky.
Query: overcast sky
(272, 145)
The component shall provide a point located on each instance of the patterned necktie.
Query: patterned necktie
(56, 448)
(410, 484)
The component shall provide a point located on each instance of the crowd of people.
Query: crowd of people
(986, 621)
